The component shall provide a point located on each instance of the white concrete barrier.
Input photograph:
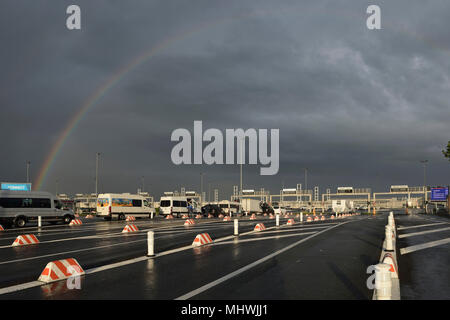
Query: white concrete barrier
(383, 283)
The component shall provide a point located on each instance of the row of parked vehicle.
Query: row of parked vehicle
(17, 208)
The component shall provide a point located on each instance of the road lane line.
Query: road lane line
(424, 246)
(421, 225)
(237, 241)
(252, 265)
(422, 232)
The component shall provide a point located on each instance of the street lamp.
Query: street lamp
(424, 162)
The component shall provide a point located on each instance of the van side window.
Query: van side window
(137, 203)
(25, 203)
(176, 203)
(183, 204)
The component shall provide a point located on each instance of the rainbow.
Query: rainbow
(123, 71)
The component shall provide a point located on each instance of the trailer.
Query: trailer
(251, 206)
(342, 206)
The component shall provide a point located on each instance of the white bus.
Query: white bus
(174, 205)
(229, 207)
(121, 205)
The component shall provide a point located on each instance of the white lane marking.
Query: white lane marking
(20, 287)
(422, 232)
(78, 250)
(237, 241)
(424, 246)
(421, 225)
(248, 267)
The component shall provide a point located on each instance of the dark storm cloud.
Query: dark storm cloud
(356, 107)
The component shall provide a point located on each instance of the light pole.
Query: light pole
(28, 171)
(97, 155)
(201, 188)
(424, 162)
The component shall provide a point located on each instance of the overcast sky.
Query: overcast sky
(357, 107)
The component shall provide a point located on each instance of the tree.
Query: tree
(447, 152)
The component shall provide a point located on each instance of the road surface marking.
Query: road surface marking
(424, 246)
(422, 232)
(420, 226)
(252, 265)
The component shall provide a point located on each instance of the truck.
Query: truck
(251, 206)
(342, 206)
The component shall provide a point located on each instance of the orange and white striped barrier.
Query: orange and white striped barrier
(322, 218)
(265, 214)
(61, 270)
(130, 228)
(130, 218)
(316, 218)
(290, 222)
(253, 217)
(220, 216)
(89, 216)
(188, 222)
(227, 218)
(309, 219)
(332, 217)
(169, 216)
(260, 227)
(202, 239)
(77, 215)
(75, 222)
(184, 216)
(26, 239)
(210, 216)
(271, 216)
(1, 228)
(199, 216)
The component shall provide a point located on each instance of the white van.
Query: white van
(175, 205)
(229, 207)
(121, 205)
(19, 207)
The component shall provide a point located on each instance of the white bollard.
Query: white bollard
(383, 282)
(151, 216)
(39, 221)
(151, 243)
(236, 227)
(388, 237)
(277, 220)
(301, 216)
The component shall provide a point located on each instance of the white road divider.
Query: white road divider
(277, 220)
(383, 283)
(61, 270)
(26, 239)
(387, 283)
(151, 243)
(130, 218)
(202, 239)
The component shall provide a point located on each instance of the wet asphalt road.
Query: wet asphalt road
(324, 260)
(424, 256)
